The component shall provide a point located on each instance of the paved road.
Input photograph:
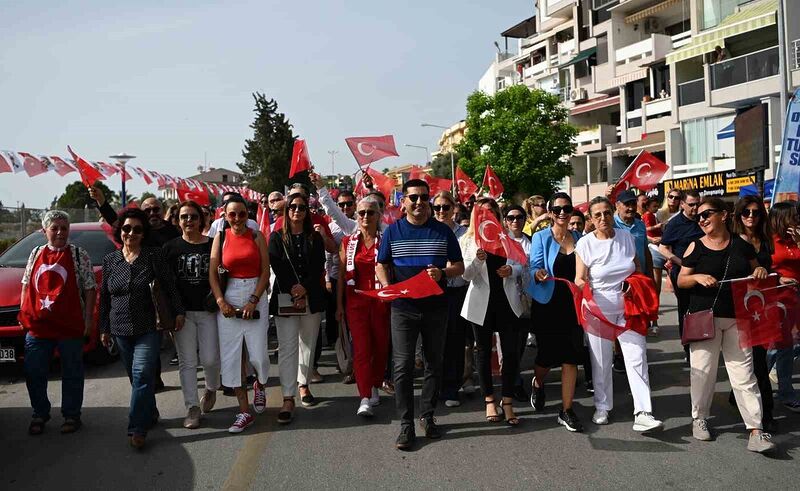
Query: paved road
(328, 446)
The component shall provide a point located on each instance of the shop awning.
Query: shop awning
(649, 11)
(726, 132)
(750, 18)
(752, 190)
(583, 55)
(595, 104)
(524, 29)
(629, 77)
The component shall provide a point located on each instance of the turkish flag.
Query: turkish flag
(385, 184)
(368, 149)
(761, 310)
(391, 214)
(89, 175)
(644, 173)
(106, 169)
(61, 166)
(582, 207)
(121, 169)
(11, 160)
(418, 286)
(492, 183)
(492, 238)
(143, 174)
(300, 159)
(439, 184)
(416, 172)
(464, 185)
(32, 165)
(199, 196)
(262, 217)
(593, 319)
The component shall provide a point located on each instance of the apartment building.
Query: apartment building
(693, 81)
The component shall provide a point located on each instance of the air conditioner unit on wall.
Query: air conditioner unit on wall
(651, 25)
(576, 95)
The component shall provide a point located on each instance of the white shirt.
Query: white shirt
(610, 262)
(217, 224)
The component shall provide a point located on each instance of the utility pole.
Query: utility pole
(333, 159)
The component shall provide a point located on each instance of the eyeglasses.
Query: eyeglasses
(441, 207)
(152, 210)
(422, 197)
(557, 210)
(299, 208)
(345, 204)
(515, 218)
(601, 214)
(368, 213)
(692, 205)
(188, 217)
(233, 215)
(133, 229)
(538, 205)
(748, 213)
(674, 196)
(706, 214)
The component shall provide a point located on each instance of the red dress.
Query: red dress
(367, 318)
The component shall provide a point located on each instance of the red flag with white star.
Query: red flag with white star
(89, 175)
(494, 188)
(492, 238)
(644, 174)
(420, 285)
(368, 149)
(300, 159)
(761, 307)
(464, 185)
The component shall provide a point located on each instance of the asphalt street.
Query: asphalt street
(329, 447)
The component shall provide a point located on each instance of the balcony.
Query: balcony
(566, 49)
(657, 108)
(744, 69)
(595, 139)
(536, 69)
(691, 92)
(636, 55)
(682, 39)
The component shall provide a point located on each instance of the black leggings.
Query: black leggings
(508, 329)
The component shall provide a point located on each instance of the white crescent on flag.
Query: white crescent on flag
(361, 146)
(639, 170)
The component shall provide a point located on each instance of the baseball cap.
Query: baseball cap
(626, 196)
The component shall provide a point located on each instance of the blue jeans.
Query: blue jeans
(783, 361)
(38, 355)
(140, 356)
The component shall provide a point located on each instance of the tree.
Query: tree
(523, 134)
(76, 196)
(440, 165)
(267, 154)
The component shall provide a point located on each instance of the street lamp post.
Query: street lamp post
(332, 153)
(427, 152)
(122, 158)
(452, 160)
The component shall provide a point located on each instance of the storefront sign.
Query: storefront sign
(720, 184)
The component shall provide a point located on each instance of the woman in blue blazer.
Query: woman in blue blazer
(559, 336)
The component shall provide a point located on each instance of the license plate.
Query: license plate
(7, 355)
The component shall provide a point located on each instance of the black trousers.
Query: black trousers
(453, 360)
(331, 324)
(764, 384)
(406, 327)
(507, 325)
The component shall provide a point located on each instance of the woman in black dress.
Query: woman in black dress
(559, 337)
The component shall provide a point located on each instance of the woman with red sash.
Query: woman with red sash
(367, 318)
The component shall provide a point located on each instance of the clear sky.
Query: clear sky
(171, 82)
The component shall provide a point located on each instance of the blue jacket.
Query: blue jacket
(544, 250)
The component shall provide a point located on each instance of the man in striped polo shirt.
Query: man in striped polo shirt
(416, 243)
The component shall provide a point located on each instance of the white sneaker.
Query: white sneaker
(773, 376)
(375, 399)
(452, 403)
(364, 409)
(600, 417)
(645, 421)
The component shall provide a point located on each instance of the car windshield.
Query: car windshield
(96, 243)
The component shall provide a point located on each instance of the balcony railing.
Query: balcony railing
(795, 54)
(746, 68)
(691, 92)
(681, 39)
(535, 69)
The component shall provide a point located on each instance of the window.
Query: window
(634, 93)
(660, 79)
(224, 177)
(600, 11)
(701, 142)
(714, 11)
(602, 49)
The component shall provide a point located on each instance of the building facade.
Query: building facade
(696, 82)
(212, 175)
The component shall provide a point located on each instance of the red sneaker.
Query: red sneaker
(243, 420)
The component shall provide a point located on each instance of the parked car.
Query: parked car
(91, 237)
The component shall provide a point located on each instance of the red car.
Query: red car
(89, 236)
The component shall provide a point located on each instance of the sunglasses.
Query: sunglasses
(441, 207)
(345, 204)
(152, 210)
(295, 207)
(133, 229)
(422, 197)
(673, 196)
(692, 205)
(232, 215)
(366, 213)
(189, 217)
(706, 214)
(747, 213)
(515, 218)
(566, 209)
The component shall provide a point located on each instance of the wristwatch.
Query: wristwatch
(254, 299)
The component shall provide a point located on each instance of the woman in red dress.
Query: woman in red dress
(367, 318)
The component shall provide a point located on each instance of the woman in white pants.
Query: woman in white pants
(605, 258)
(189, 257)
(297, 256)
(242, 317)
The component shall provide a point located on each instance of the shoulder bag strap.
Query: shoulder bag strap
(289, 258)
(725, 274)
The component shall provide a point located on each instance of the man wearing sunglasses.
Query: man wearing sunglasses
(679, 232)
(413, 244)
(161, 231)
(220, 223)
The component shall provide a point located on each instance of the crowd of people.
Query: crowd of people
(217, 285)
